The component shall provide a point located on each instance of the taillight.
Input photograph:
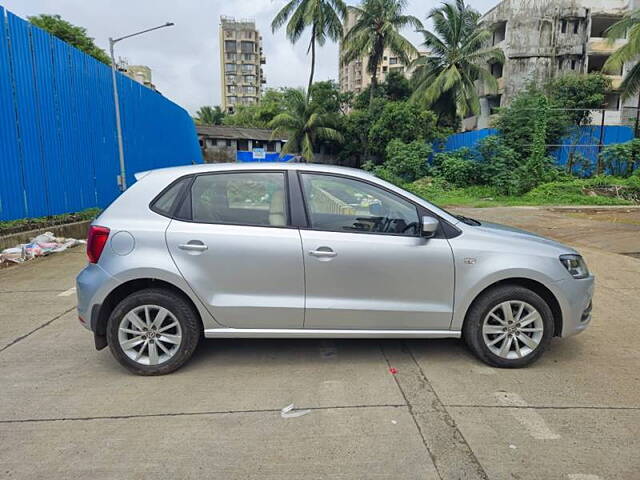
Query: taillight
(96, 240)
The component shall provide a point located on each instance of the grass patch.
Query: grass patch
(593, 191)
(24, 224)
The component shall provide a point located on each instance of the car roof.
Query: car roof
(266, 166)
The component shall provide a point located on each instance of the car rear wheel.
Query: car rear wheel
(153, 332)
(509, 326)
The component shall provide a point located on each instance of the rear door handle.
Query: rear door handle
(193, 246)
(327, 253)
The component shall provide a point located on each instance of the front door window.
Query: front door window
(341, 204)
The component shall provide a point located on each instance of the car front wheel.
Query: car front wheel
(153, 332)
(509, 326)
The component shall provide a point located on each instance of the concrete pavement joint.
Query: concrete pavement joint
(45, 324)
(189, 414)
(413, 417)
(449, 450)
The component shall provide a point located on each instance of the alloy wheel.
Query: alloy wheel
(149, 335)
(512, 329)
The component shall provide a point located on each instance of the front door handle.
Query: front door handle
(323, 252)
(193, 246)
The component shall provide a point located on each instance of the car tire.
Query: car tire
(497, 337)
(178, 332)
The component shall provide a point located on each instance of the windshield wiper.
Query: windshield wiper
(468, 220)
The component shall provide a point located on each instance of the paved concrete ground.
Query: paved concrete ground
(67, 411)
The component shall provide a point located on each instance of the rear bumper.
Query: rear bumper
(575, 297)
(92, 286)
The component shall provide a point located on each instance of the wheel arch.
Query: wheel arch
(535, 286)
(101, 313)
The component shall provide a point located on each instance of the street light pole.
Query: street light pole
(116, 99)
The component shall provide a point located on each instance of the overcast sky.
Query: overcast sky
(185, 59)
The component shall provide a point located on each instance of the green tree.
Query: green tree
(355, 127)
(271, 104)
(303, 126)
(72, 34)
(628, 27)
(518, 123)
(397, 87)
(323, 16)
(445, 78)
(208, 115)
(579, 95)
(404, 121)
(377, 27)
(327, 98)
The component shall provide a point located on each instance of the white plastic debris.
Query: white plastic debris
(43, 244)
(289, 412)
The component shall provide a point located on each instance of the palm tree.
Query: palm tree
(376, 28)
(445, 78)
(207, 115)
(629, 26)
(303, 126)
(324, 16)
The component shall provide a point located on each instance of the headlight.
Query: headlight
(575, 265)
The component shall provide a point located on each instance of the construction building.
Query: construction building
(241, 60)
(543, 39)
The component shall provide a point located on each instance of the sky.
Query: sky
(185, 58)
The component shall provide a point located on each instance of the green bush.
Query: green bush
(499, 166)
(408, 161)
(457, 168)
(620, 159)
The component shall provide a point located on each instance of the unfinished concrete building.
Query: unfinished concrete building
(543, 39)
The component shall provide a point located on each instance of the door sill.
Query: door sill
(325, 333)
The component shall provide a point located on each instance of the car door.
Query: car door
(366, 265)
(232, 243)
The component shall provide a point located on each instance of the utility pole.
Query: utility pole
(122, 179)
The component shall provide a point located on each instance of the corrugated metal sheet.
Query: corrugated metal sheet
(58, 148)
(584, 143)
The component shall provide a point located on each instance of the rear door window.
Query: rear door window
(247, 198)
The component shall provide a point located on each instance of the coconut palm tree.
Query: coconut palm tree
(376, 28)
(458, 56)
(207, 115)
(629, 26)
(323, 16)
(303, 126)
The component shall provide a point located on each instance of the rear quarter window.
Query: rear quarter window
(165, 203)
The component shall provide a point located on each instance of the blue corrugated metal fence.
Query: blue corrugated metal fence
(584, 143)
(58, 147)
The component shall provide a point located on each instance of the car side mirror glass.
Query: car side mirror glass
(429, 226)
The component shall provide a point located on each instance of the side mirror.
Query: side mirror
(429, 226)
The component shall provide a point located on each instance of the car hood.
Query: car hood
(508, 233)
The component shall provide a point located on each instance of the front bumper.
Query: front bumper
(575, 297)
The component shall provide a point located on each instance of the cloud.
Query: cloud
(185, 59)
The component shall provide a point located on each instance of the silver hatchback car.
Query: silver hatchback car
(295, 250)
